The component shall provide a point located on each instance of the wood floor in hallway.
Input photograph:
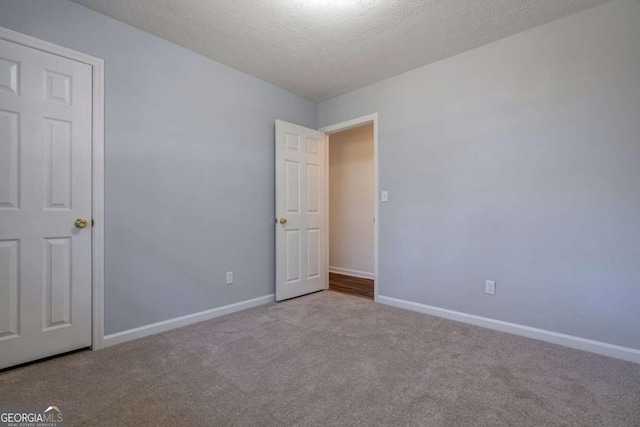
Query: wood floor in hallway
(351, 285)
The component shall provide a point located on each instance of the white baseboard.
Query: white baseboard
(354, 273)
(611, 350)
(167, 325)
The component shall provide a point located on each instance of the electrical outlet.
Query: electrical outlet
(489, 287)
(229, 277)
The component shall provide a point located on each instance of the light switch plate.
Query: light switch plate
(229, 277)
(384, 197)
(489, 287)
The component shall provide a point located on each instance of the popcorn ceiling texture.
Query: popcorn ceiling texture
(323, 48)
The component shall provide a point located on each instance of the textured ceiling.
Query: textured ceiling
(323, 48)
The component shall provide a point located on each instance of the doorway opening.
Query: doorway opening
(302, 199)
(351, 208)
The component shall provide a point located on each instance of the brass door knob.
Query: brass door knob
(81, 223)
(283, 221)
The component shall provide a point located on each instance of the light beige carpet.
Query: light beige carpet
(332, 359)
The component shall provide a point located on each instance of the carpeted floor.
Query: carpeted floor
(332, 359)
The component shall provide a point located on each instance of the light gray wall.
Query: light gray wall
(189, 166)
(517, 162)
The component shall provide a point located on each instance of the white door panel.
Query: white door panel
(45, 185)
(300, 186)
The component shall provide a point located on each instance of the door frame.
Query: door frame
(97, 170)
(338, 127)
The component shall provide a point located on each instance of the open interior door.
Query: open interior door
(301, 262)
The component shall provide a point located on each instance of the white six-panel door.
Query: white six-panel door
(301, 265)
(45, 186)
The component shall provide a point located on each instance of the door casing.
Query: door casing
(338, 127)
(97, 170)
